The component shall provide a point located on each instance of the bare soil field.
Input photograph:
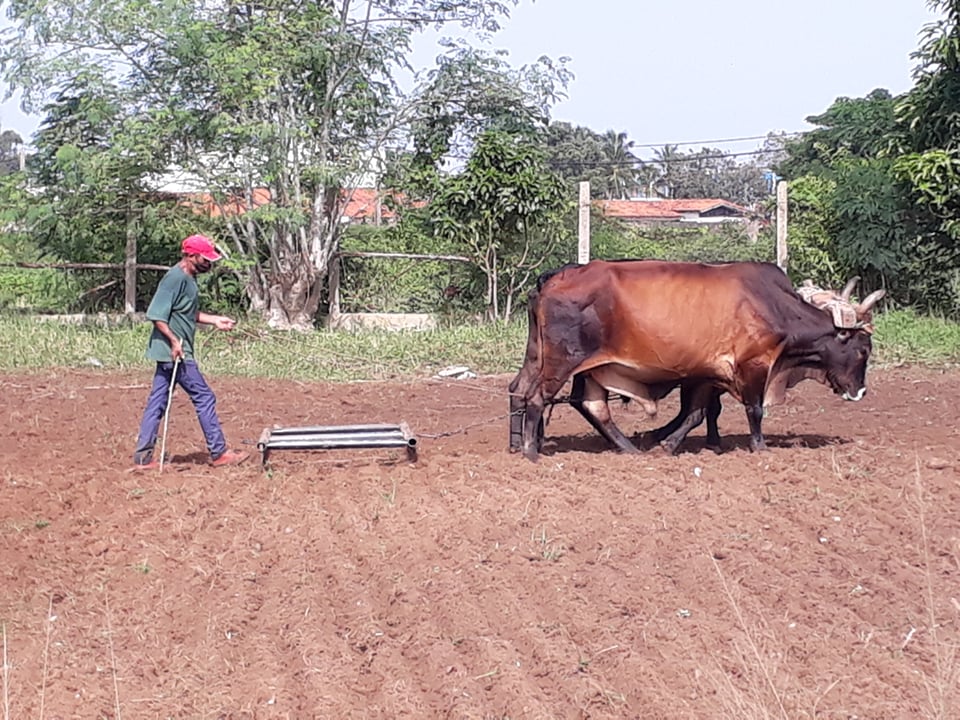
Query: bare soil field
(819, 579)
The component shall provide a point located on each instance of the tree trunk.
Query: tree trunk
(130, 264)
(300, 259)
(295, 285)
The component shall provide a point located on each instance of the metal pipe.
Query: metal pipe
(331, 437)
(320, 443)
(333, 429)
(341, 437)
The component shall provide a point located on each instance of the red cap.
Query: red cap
(200, 245)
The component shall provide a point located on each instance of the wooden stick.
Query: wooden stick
(166, 414)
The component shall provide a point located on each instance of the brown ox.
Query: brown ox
(642, 328)
(846, 314)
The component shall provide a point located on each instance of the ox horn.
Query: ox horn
(848, 290)
(869, 301)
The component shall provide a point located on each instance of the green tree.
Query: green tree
(577, 154)
(10, 146)
(90, 169)
(873, 234)
(849, 128)
(620, 165)
(929, 141)
(812, 243)
(298, 98)
(711, 173)
(666, 162)
(506, 209)
(849, 214)
(891, 167)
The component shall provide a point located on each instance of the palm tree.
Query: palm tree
(622, 165)
(664, 159)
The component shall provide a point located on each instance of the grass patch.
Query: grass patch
(903, 337)
(256, 351)
(252, 350)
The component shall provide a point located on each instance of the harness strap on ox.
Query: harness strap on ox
(843, 313)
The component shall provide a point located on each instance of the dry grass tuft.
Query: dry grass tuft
(942, 684)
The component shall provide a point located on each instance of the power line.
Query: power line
(684, 159)
(639, 162)
(714, 142)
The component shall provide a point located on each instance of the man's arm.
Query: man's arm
(220, 322)
(176, 347)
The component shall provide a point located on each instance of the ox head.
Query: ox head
(844, 354)
(846, 313)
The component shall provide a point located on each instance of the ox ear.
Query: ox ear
(869, 301)
(848, 289)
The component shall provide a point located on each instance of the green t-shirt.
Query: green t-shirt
(176, 303)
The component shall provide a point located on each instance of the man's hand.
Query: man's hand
(222, 322)
(176, 345)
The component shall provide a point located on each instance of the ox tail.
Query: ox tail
(521, 384)
(544, 277)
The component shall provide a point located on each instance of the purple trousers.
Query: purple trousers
(193, 383)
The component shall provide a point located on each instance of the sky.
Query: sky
(700, 71)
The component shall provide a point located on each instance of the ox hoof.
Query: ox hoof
(531, 454)
(670, 448)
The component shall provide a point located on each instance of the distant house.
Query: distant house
(365, 206)
(701, 211)
(204, 203)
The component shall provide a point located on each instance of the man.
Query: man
(175, 312)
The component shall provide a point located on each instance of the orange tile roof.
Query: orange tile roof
(362, 205)
(651, 209)
(663, 209)
(204, 203)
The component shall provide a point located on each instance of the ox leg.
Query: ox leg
(664, 431)
(753, 383)
(754, 418)
(714, 408)
(590, 399)
(533, 419)
(686, 407)
(516, 422)
(526, 412)
(694, 402)
(532, 428)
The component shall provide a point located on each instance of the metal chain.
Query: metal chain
(460, 383)
(464, 428)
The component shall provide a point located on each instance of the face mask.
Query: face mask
(203, 265)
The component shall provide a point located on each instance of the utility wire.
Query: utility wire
(719, 141)
(664, 161)
(716, 142)
(641, 161)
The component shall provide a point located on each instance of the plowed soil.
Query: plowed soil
(819, 579)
